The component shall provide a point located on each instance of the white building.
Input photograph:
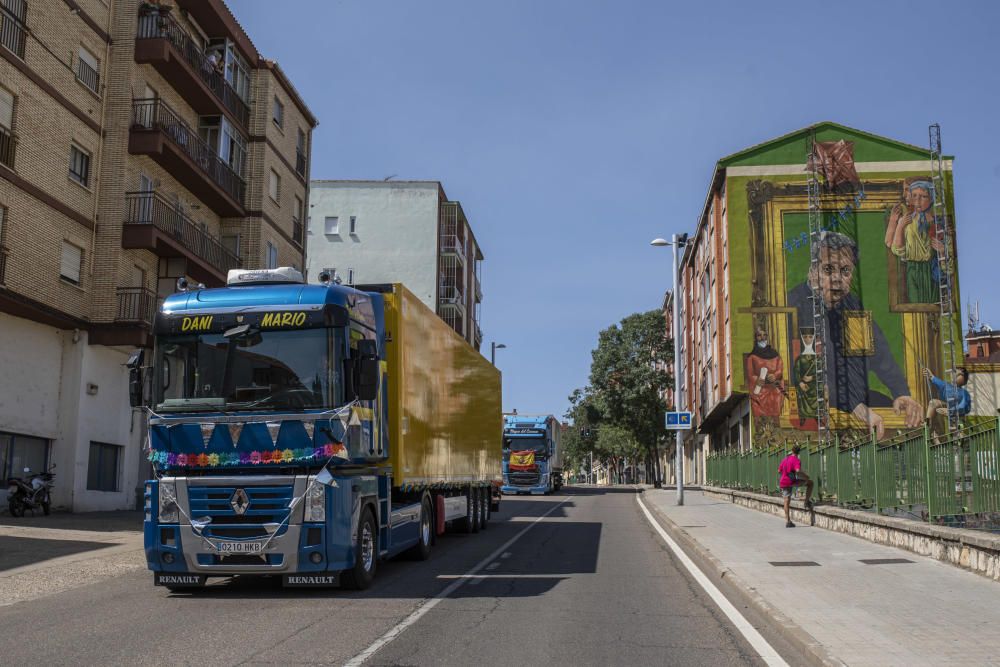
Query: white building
(369, 232)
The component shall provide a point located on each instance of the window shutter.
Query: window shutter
(6, 109)
(69, 267)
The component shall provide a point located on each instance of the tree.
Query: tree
(627, 379)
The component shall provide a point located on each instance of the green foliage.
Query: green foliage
(620, 414)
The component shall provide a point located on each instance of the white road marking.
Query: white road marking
(492, 566)
(506, 554)
(479, 578)
(759, 644)
(427, 605)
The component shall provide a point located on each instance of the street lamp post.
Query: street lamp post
(494, 346)
(677, 242)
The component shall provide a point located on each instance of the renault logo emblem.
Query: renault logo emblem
(239, 502)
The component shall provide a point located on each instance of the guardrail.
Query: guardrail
(914, 470)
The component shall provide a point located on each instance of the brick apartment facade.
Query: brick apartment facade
(139, 143)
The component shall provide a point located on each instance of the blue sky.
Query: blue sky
(573, 132)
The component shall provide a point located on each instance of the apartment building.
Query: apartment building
(748, 338)
(139, 143)
(399, 231)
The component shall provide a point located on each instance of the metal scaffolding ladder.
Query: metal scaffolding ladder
(946, 272)
(818, 307)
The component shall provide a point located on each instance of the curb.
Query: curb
(812, 651)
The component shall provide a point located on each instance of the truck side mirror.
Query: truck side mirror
(135, 378)
(368, 379)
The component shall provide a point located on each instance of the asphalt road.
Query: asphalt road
(588, 584)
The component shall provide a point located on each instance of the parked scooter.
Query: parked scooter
(30, 494)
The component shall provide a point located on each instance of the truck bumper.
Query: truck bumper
(527, 490)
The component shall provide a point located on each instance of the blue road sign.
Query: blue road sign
(678, 421)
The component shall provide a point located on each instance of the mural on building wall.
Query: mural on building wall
(878, 276)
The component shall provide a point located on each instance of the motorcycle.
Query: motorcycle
(31, 493)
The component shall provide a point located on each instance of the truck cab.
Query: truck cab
(532, 457)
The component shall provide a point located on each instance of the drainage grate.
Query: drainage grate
(794, 563)
(884, 561)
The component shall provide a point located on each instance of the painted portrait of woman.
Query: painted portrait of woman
(911, 236)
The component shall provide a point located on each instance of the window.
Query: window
(278, 115)
(6, 109)
(354, 224)
(272, 256)
(237, 71)
(332, 271)
(102, 469)
(300, 153)
(350, 276)
(18, 452)
(231, 242)
(331, 225)
(297, 220)
(274, 186)
(13, 30)
(79, 165)
(87, 70)
(225, 140)
(72, 260)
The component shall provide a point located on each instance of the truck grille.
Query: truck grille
(268, 504)
(523, 478)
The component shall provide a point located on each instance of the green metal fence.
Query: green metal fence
(914, 471)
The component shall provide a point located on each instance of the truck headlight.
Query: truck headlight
(315, 510)
(167, 509)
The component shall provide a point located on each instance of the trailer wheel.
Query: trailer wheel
(422, 549)
(484, 506)
(470, 522)
(476, 504)
(361, 575)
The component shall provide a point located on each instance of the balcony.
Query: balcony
(451, 296)
(88, 76)
(300, 162)
(13, 31)
(163, 43)
(8, 147)
(452, 245)
(136, 305)
(158, 132)
(155, 224)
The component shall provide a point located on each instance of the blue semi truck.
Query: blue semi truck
(532, 456)
(308, 431)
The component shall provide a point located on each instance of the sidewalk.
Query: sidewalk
(909, 611)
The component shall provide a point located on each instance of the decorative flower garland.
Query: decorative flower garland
(238, 458)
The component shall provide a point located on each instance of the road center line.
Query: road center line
(433, 602)
(759, 644)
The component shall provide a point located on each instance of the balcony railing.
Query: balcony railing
(297, 231)
(479, 334)
(136, 305)
(13, 31)
(451, 295)
(154, 24)
(300, 162)
(8, 147)
(3, 263)
(452, 245)
(478, 287)
(149, 208)
(87, 75)
(154, 114)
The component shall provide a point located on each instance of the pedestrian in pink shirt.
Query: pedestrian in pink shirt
(792, 475)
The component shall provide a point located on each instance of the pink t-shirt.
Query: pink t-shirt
(790, 463)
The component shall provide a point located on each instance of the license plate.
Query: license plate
(253, 547)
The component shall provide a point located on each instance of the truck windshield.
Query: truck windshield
(270, 370)
(536, 445)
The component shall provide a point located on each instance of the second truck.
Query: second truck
(532, 455)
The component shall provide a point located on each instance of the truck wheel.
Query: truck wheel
(470, 522)
(361, 575)
(422, 549)
(484, 507)
(476, 503)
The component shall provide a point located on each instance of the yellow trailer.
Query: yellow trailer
(445, 422)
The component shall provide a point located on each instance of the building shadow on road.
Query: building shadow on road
(20, 551)
(100, 522)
